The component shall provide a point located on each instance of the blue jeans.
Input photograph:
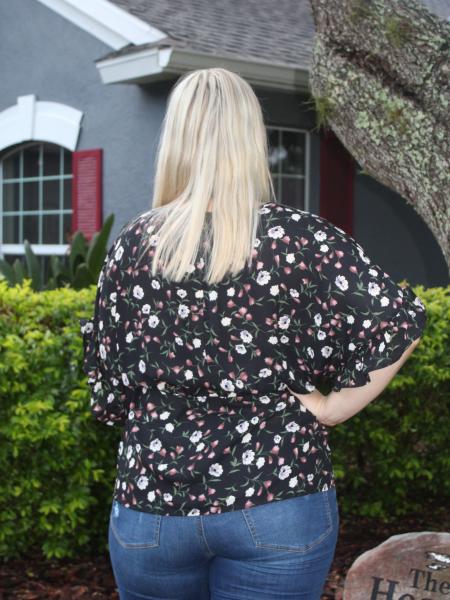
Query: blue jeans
(281, 550)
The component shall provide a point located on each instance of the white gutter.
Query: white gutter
(155, 64)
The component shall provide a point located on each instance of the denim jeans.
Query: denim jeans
(281, 550)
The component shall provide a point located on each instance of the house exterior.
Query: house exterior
(84, 86)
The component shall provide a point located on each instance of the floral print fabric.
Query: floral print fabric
(197, 375)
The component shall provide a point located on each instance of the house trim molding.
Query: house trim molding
(107, 22)
(32, 119)
(153, 64)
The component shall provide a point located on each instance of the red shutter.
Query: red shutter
(337, 172)
(87, 191)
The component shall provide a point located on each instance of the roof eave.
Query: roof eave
(157, 64)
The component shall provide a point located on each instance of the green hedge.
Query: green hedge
(57, 464)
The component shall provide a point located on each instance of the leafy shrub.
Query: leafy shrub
(57, 464)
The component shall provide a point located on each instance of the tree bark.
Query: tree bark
(381, 80)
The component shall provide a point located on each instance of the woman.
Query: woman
(216, 312)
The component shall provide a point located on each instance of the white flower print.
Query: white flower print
(284, 472)
(242, 426)
(155, 445)
(292, 426)
(326, 351)
(138, 292)
(263, 278)
(276, 232)
(210, 365)
(215, 470)
(248, 457)
(246, 336)
(227, 385)
(373, 288)
(119, 253)
(183, 311)
(320, 236)
(264, 399)
(153, 321)
(284, 322)
(341, 282)
(265, 372)
(290, 258)
(142, 482)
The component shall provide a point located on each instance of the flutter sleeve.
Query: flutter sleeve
(110, 389)
(374, 318)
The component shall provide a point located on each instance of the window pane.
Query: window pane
(274, 150)
(51, 159)
(51, 195)
(67, 162)
(293, 152)
(10, 196)
(31, 195)
(67, 193)
(11, 167)
(50, 231)
(11, 230)
(31, 228)
(67, 228)
(292, 192)
(31, 161)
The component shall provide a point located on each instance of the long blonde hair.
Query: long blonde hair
(213, 146)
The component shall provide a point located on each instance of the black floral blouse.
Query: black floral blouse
(196, 376)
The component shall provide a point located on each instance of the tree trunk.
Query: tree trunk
(380, 79)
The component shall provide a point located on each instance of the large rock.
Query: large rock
(409, 566)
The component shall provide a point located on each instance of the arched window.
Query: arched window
(35, 199)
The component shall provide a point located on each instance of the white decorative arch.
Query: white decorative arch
(32, 119)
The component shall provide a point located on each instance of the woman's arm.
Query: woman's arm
(339, 406)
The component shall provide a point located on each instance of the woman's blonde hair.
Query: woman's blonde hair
(213, 146)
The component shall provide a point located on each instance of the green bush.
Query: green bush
(392, 459)
(57, 464)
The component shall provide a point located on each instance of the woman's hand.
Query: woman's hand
(315, 402)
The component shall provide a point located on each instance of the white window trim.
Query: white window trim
(107, 22)
(32, 119)
(38, 249)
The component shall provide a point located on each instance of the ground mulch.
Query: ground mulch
(35, 578)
